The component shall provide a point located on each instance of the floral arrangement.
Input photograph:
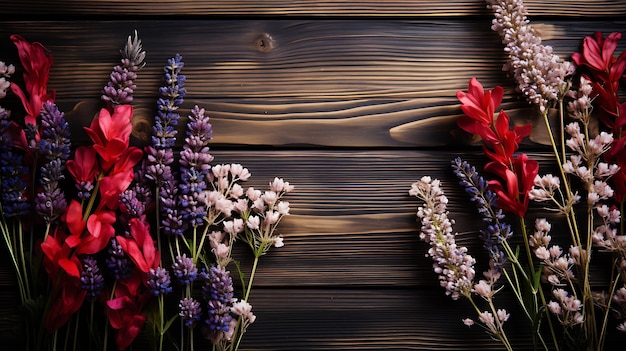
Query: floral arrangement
(109, 240)
(545, 263)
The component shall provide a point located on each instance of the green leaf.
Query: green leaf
(169, 323)
(537, 278)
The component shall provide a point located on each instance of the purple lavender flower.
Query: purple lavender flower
(84, 190)
(134, 200)
(12, 168)
(171, 219)
(195, 166)
(54, 146)
(121, 86)
(184, 269)
(159, 281)
(218, 293)
(160, 154)
(117, 262)
(91, 279)
(485, 201)
(190, 311)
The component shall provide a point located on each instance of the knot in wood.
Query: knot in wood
(264, 43)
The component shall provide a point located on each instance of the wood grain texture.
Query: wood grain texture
(325, 83)
(349, 101)
(573, 8)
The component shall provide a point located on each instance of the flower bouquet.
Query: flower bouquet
(547, 268)
(110, 241)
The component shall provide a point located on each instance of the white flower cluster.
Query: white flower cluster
(539, 72)
(250, 215)
(5, 74)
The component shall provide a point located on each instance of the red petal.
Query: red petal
(609, 46)
(69, 267)
(591, 52)
(74, 218)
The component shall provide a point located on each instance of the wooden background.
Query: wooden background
(351, 103)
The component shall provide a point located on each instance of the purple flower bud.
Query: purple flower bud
(91, 279)
(190, 311)
(159, 281)
(218, 293)
(184, 269)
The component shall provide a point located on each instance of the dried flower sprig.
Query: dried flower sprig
(452, 262)
(539, 72)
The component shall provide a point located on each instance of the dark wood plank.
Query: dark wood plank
(573, 8)
(352, 222)
(329, 83)
(324, 59)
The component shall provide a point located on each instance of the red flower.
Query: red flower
(112, 186)
(67, 302)
(124, 316)
(140, 248)
(83, 167)
(515, 184)
(36, 60)
(597, 55)
(64, 269)
(507, 142)
(479, 107)
(499, 144)
(111, 133)
(499, 141)
(598, 51)
(73, 218)
(101, 231)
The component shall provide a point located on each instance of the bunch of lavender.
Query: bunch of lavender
(203, 212)
(13, 201)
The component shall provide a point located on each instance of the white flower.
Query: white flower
(278, 241)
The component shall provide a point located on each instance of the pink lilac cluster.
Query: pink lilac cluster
(539, 72)
(585, 163)
(452, 262)
(257, 213)
(558, 272)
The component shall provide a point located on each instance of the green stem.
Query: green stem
(76, 330)
(161, 317)
(607, 310)
(92, 198)
(157, 210)
(254, 265)
(538, 288)
(23, 259)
